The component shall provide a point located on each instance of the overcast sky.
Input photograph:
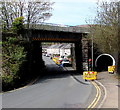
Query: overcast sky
(72, 12)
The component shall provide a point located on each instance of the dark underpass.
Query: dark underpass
(103, 61)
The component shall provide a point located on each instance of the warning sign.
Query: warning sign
(89, 75)
(111, 69)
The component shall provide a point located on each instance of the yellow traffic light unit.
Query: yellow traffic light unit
(89, 75)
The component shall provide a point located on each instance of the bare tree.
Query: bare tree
(105, 30)
(40, 11)
(32, 11)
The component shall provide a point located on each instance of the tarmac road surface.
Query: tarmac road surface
(52, 91)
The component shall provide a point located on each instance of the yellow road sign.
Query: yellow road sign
(111, 69)
(56, 60)
(90, 75)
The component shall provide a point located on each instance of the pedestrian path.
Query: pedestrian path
(111, 84)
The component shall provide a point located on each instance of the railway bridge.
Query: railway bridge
(65, 34)
(57, 33)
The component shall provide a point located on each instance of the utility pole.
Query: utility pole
(92, 52)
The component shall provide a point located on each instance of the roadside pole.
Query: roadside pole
(92, 52)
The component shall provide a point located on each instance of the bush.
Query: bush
(69, 56)
(13, 56)
(17, 25)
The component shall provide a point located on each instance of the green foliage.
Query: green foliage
(13, 56)
(17, 25)
(105, 37)
(69, 56)
(105, 32)
(4, 27)
(7, 79)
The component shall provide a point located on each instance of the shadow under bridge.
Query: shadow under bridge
(37, 36)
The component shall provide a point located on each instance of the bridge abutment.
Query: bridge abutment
(78, 57)
(37, 62)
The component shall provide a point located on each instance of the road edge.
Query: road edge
(29, 84)
(105, 91)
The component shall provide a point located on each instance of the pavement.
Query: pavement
(111, 85)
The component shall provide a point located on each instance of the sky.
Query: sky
(72, 12)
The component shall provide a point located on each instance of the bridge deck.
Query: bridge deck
(64, 28)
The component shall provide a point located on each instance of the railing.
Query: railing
(59, 27)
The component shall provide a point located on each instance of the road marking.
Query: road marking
(97, 97)
(105, 92)
(94, 98)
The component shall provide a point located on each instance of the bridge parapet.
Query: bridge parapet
(58, 27)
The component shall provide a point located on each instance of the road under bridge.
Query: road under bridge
(44, 33)
(67, 34)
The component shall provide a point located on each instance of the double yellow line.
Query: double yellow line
(97, 97)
